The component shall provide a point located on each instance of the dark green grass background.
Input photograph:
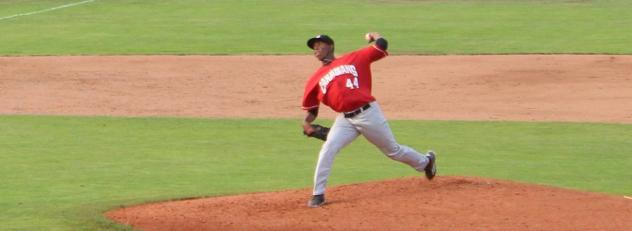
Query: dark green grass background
(282, 26)
(61, 173)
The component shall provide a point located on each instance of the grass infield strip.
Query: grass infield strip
(60, 173)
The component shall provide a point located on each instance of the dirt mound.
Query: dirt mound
(447, 203)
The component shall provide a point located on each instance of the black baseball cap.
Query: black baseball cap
(321, 38)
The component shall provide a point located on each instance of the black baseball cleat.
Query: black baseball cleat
(316, 201)
(431, 168)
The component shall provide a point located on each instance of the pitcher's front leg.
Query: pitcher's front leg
(340, 135)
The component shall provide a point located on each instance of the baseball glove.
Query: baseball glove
(320, 132)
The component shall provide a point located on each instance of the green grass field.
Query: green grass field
(61, 173)
(282, 26)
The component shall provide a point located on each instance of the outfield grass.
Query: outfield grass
(60, 173)
(282, 26)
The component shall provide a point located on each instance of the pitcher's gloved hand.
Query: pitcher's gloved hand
(318, 132)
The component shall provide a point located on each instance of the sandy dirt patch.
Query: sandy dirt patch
(522, 87)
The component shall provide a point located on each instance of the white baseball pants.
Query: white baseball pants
(372, 124)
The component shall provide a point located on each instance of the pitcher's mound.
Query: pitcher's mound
(447, 203)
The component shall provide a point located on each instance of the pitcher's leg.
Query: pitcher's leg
(340, 135)
(373, 125)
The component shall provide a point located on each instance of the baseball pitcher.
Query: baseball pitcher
(344, 84)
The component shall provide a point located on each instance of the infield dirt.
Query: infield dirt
(524, 87)
(528, 87)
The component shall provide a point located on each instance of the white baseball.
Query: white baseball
(368, 37)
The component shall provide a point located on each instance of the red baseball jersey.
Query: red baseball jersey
(344, 84)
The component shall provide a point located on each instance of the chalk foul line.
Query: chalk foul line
(47, 10)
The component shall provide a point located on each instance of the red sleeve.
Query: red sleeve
(373, 53)
(310, 96)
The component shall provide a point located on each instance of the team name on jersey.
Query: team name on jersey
(335, 72)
